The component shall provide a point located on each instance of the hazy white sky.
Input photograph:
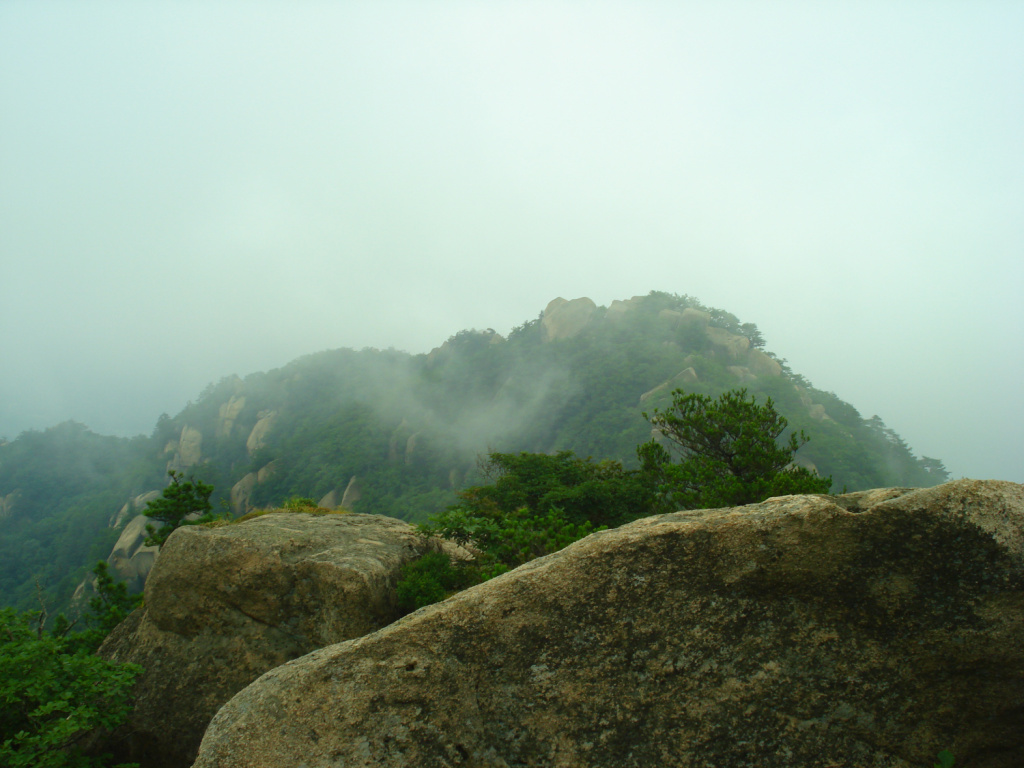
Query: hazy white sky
(190, 190)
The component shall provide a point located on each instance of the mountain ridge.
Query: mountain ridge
(395, 433)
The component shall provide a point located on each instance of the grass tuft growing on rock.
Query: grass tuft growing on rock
(300, 504)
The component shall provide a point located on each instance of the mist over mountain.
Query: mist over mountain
(392, 433)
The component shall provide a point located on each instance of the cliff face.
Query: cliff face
(224, 605)
(875, 628)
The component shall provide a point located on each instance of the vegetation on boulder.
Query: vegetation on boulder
(186, 501)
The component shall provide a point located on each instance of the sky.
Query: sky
(190, 190)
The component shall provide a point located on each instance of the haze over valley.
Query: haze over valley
(189, 192)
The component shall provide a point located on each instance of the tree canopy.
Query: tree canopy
(181, 500)
(54, 691)
(727, 453)
(537, 504)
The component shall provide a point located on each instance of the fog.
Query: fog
(192, 190)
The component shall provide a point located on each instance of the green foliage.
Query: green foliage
(300, 504)
(53, 693)
(506, 540)
(110, 605)
(945, 759)
(537, 504)
(584, 491)
(431, 579)
(728, 453)
(61, 486)
(181, 500)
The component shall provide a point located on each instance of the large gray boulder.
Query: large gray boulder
(224, 605)
(871, 629)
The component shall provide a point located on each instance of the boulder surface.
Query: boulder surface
(224, 605)
(869, 629)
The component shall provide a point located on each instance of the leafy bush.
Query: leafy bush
(537, 505)
(108, 607)
(431, 579)
(54, 692)
(506, 540)
(585, 491)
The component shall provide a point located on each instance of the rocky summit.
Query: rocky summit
(223, 605)
(869, 629)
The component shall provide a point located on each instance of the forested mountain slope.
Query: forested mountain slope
(397, 434)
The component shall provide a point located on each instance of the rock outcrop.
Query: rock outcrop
(618, 309)
(353, 493)
(7, 504)
(258, 437)
(564, 319)
(223, 605)
(241, 492)
(684, 377)
(870, 629)
(732, 346)
(135, 506)
(228, 414)
(760, 364)
(130, 558)
(190, 449)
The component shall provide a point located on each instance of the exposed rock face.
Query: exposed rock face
(696, 316)
(732, 345)
(190, 448)
(134, 506)
(353, 492)
(685, 376)
(564, 319)
(741, 372)
(228, 414)
(761, 365)
(399, 440)
(258, 437)
(329, 500)
(240, 493)
(224, 605)
(872, 629)
(7, 504)
(410, 447)
(619, 308)
(266, 471)
(130, 558)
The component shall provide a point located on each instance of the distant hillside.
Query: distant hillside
(390, 433)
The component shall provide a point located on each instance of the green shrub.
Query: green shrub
(54, 693)
(300, 504)
(184, 498)
(431, 579)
